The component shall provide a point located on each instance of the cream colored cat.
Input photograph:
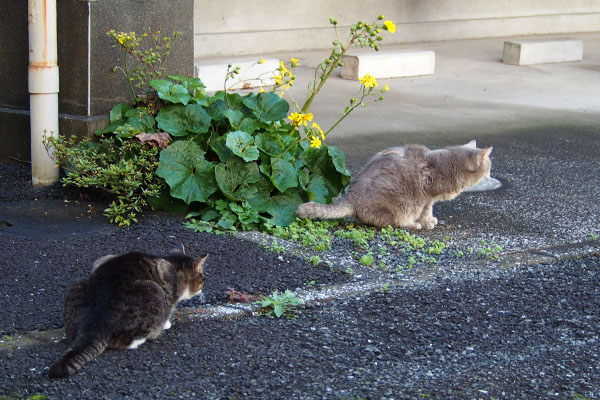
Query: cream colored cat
(399, 185)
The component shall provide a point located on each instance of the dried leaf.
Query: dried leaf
(160, 139)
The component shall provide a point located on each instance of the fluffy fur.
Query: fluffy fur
(399, 185)
(127, 299)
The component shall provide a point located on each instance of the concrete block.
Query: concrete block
(389, 65)
(213, 73)
(528, 52)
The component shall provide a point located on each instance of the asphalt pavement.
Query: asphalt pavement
(525, 326)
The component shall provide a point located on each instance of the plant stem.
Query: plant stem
(346, 114)
(324, 78)
(126, 71)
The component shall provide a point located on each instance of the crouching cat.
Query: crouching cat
(127, 299)
(399, 185)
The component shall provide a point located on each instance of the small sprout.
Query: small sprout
(367, 259)
(279, 304)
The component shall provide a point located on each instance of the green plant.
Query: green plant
(315, 260)
(36, 396)
(232, 161)
(279, 304)
(149, 59)
(593, 236)
(123, 168)
(490, 251)
(367, 259)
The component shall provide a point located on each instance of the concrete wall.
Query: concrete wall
(88, 87)
(238, 27)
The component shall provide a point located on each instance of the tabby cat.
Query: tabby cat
(127, 299)
(399, 185)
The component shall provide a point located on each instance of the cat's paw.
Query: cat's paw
(415, 225)
(430, 223)
(167, 325)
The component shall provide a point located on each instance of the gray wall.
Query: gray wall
(235, 27)
(88, 87)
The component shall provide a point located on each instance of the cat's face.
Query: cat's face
(192, 272)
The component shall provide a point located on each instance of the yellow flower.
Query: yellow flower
(278, 80)
(390, 26)
(294, 62)
(307, 117)
(296, 118)
(315, 142)
(368, 81)
(121, 40)
(317, 127)
(281, 94)
(283, 69)
(299, 118)
(385, 89)
(261, 61)
(262, 90)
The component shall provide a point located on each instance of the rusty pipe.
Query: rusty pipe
(43, 88)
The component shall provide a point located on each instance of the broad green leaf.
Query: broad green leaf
(320, 163)
(257, 193)
(249, 125)
(198, 119)
(283, 207)
(269, 143)
(180, 120)
(170, 91)
(235, 117)
(339, 161)
(242, 145)
(217, 110)
(188, 83)
(314, 186)
(267, 107)
(283, 175)
(234, 174)
(217, 144)
(190, 177)
(117, 113)
(140, 120)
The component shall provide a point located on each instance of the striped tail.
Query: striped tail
(312, 209)
(75, 358)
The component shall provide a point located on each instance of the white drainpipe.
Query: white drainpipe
(43, 88)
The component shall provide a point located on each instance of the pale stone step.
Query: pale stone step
(213, 72)
(389, 64)
(528, 52)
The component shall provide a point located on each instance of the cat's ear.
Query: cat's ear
(101, 261)
(199, 263)
(179, 250)
(486, 152)
(471, 145)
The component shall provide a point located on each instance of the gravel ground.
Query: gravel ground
(460, 329)
(515, 334)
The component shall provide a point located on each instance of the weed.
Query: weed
(593, 236)
(315, 260)
(367, 259)
(278, 304)
(490, 251)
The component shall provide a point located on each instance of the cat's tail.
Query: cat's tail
(340, 209)
(78, 354)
